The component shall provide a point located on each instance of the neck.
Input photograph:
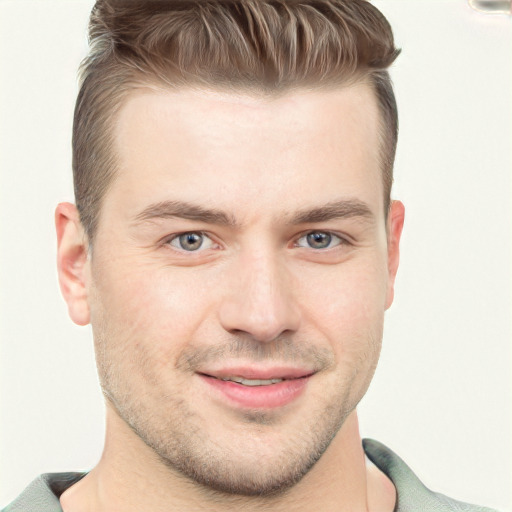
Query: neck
(131, 477)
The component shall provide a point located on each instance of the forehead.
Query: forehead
(200, 112)
(212, 146)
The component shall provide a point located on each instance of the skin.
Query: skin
(256, 294)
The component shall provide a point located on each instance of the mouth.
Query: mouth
(257, 389)
(252, 382)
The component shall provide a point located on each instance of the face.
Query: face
(239, 278)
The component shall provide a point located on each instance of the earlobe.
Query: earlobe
(72, 262)
(395, 224)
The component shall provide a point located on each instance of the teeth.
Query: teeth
(253, 382)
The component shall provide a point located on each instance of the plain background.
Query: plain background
(441, 397)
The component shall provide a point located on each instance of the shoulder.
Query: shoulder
(412, 494)
(42, 494)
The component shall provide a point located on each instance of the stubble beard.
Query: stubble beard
(181, 445)
(179, 438)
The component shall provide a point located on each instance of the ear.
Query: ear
(72, 262)
(396, 217)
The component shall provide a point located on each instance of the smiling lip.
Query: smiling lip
(265, 396)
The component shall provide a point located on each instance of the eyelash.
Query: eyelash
(333, 236)
(177, 236)
(330, 234)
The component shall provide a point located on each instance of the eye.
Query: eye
(191, 241)
(319, 240)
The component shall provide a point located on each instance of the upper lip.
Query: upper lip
(255, 373)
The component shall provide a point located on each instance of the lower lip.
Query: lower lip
(259, 397)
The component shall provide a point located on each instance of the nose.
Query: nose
(259, 299)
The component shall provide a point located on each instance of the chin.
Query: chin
(271, 479)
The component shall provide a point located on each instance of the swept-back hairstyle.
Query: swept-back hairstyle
(263, 47)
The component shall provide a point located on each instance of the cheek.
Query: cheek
(356, 288)
(348, 307)
(151, 295)
(145, 316)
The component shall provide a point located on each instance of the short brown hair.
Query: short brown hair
(254, 46)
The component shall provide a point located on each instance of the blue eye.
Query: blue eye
(191, 241)
(319, 240)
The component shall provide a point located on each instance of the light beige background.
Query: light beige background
(442, 394)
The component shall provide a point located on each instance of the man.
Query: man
(234, 247)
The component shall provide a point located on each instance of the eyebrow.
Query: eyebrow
(345, 208)
(184, 210)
